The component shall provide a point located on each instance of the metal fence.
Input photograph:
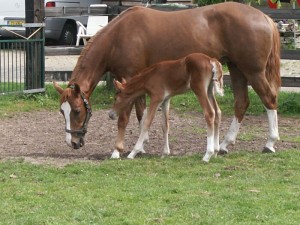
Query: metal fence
(22, 65)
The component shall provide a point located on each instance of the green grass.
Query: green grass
(289, 103)
(241, 188)
(11, 104)
(11, 87)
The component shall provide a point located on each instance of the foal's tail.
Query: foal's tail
(273, 63)
(217, 76)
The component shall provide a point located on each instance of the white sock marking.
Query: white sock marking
(231, 134)
(273, 129)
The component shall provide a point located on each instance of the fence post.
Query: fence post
(34, 74)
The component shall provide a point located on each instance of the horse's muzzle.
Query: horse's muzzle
(78, 144)
(112, 114)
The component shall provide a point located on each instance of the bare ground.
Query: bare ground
(39, 137)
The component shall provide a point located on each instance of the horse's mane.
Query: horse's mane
(83, 59)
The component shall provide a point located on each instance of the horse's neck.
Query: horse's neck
(88, 73)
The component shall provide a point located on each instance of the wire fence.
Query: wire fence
(22, 65)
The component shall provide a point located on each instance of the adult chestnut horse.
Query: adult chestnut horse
(236, 34)
(166, 79)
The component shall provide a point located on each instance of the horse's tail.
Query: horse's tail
(217, 77)
(273, 63)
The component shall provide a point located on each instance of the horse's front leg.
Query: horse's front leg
(139, 146)
(241, 103)
(122, 123)
(165, 126)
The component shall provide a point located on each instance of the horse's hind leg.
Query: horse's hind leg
(165, 125)
(141, 111)
(268, 97)
(241, 103)
(122, 123)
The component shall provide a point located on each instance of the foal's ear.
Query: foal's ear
(124, 81)
(119, 86)
(58, 88)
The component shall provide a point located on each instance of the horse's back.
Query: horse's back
(230, 31)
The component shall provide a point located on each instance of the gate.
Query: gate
(22, 62)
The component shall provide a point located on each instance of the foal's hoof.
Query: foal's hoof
(268, 150)
(115, 154)
(223, 152)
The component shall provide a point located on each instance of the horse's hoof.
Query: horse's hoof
(131, 156)
(223, 152)
(206, 158)
(267, 150)
(205, 161)
(115, 154)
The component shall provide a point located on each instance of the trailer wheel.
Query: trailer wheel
(68, 35)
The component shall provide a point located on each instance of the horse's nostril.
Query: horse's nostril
(112, 114)
(81, 142)
(76, 145)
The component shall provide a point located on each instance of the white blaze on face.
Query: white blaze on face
(66, 108)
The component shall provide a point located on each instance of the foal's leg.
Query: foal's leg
(165, 126)
(217, 121)
(141, 111)
(139, 146)
(241, 103)
(209, 115)
(122, 123)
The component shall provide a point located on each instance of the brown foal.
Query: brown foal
(163, 80)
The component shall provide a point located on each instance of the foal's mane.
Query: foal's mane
(137, 82)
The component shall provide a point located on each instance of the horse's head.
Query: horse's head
(74, 106)
(120, 99)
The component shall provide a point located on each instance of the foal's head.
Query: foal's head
(121, 99)
(76, 110)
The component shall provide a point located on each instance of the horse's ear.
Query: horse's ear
(58, 88)
(118, 85)
(76, 88)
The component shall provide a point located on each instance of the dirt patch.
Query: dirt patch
(39, 137)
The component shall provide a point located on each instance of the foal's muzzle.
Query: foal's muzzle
(112, 114)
